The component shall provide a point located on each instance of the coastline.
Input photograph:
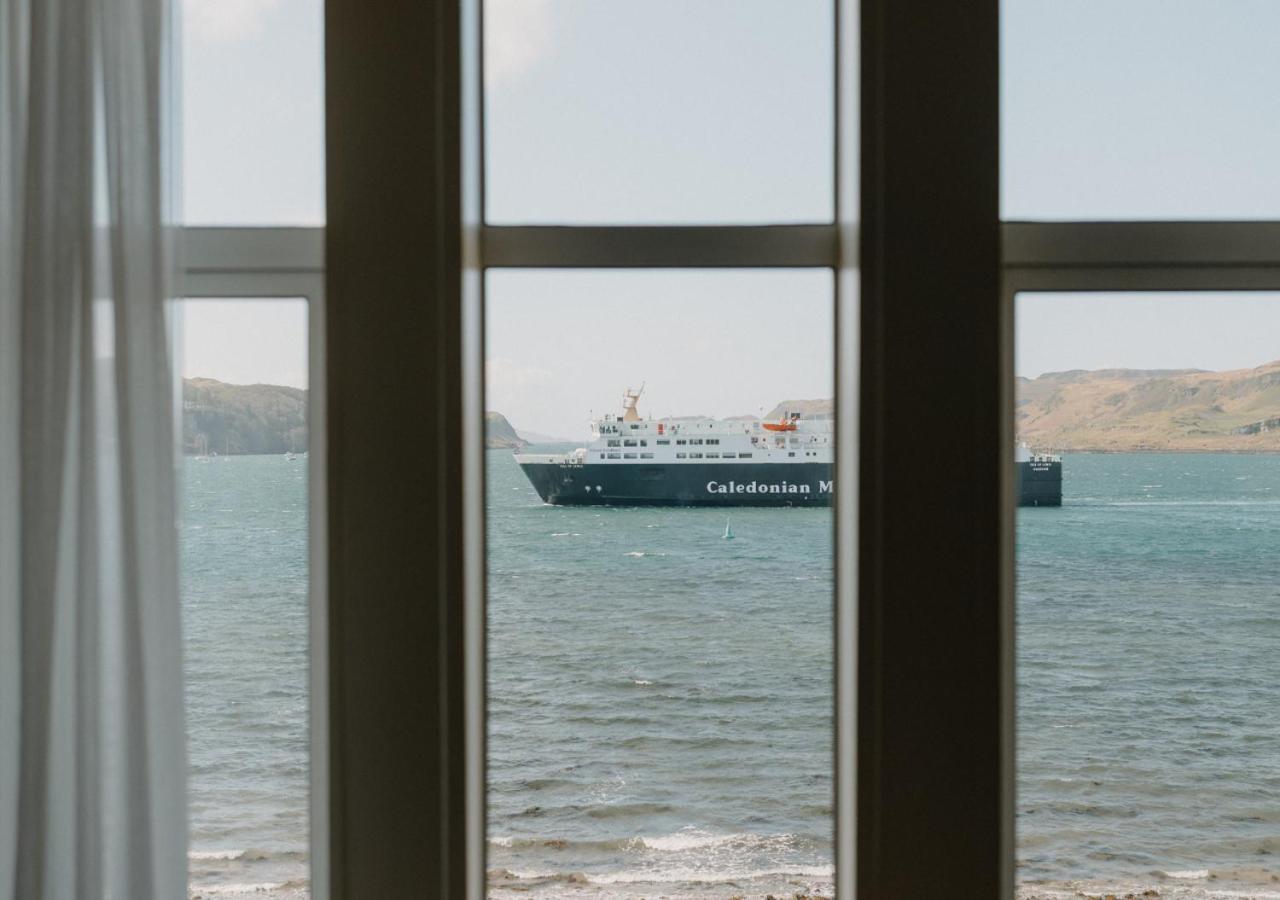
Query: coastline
(1167, 451)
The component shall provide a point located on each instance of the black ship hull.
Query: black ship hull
(1040, 483)
(758, 484)
(682, 484)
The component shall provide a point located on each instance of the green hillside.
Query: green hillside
(242, 418)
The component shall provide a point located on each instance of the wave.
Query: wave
(683, 841)
(248, 855)
(1188, 884)
(704, 876)
(295, 888)
(689, 876)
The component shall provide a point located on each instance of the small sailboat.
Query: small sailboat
(728, 530)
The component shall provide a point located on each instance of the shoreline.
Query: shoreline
(1169, 451)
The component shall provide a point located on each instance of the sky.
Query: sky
(706, 111)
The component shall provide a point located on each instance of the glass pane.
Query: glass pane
(243, 480)
(1147, 672)
(1146, 109)
(660, 643)
(660, 111)
(253, 112)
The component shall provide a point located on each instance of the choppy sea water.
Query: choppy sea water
(1148, 653)
(244, 592)
(660, 698)
(660, 705)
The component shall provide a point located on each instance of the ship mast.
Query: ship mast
(629, 399)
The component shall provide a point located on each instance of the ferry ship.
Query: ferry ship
(1039, 477)
(633, 461)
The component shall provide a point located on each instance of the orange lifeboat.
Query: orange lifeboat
(783, 424)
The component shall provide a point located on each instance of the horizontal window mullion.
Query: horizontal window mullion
(1132, 245)
(1191, 277)
(255, 285)
(250, 249)
(711, 246)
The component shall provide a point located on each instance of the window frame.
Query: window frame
(255, 263)
(405, 251)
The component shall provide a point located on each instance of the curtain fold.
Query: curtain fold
(92, 757)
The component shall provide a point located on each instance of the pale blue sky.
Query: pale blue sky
(562, 344)
(719, 110)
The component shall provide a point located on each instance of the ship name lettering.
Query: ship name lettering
(755, 487)
(826, 487)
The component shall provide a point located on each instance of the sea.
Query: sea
(660, 702)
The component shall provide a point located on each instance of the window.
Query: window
(1154, 403)
(613, 443)
(681, 441)
(1140, 111)
(246, 479)
(699, 98)
(252, 113)
(1158, 201)
(730, 455)
(663, 443)
(628, 443)
(744, 456)
(558, 750)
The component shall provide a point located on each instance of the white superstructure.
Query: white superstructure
(628, 439)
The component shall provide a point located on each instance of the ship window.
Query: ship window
(695, 456)
(730, 455)
(662, 443)
(791, 453)
(744, 456)
(628, 443)
(634, 427)
(646, 456)
(644, 443)
(713, 440)
(681, 455)
(695, 440)
(713, 456)
(613, 443)
(631, 456)
(615, 456)
(681, 442)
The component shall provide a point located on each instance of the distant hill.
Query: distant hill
(534, 437)
(808, 409)
(242, 418)
(499, 435)
(1144, 409)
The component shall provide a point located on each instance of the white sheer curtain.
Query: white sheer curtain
(92, 758)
